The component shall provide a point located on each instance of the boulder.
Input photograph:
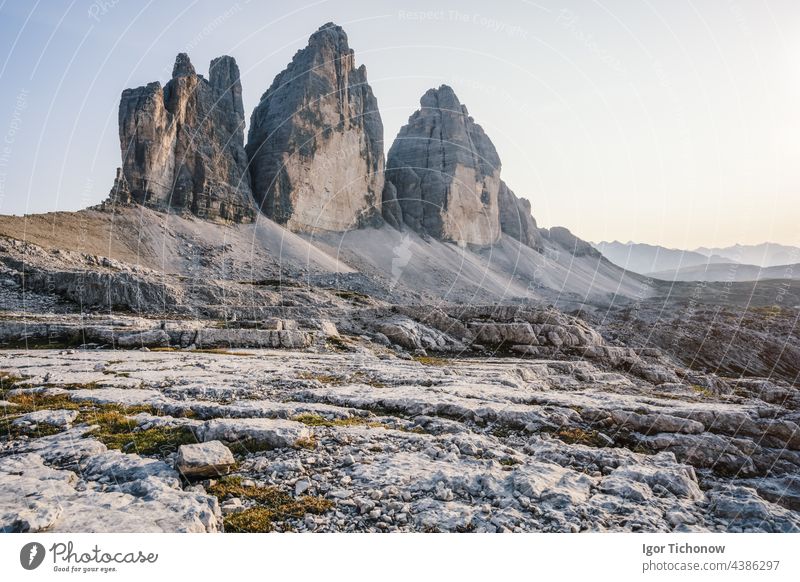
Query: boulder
(209, 459)
(57, 418)
(270, 433)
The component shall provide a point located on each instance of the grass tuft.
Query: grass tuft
(432, 361)
(318, 420)
(579, 436)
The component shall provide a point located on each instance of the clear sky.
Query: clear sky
(669, 122)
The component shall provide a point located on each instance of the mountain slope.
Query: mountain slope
(399, 266)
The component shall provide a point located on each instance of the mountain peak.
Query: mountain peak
(183, 66)
(316, 140)
(330, 33)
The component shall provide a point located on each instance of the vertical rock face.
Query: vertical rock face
(183, 145)
(316, 141)
(446, 173)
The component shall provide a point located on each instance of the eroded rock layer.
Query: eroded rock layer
(316, 140)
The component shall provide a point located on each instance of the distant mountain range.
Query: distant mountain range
(763, 255)
(733, 263)
(644, 259)
(729, 272)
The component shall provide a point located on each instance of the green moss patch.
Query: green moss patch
(579, 436)
(114, 428)
(432, 361)
(117, 431)
(9, 431)
(322, 378)
(318, 420)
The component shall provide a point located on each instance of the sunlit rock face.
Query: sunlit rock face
(183, 144)
(316, 141)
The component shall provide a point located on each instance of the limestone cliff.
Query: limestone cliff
(316, 141)
(183, 144)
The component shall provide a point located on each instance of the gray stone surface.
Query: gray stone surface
(468, 444)
(117, 492)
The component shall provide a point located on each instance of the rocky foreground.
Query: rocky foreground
(355, 436)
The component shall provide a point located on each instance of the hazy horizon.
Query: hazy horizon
(670, 125)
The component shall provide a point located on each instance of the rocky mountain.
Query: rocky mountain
(646, 259)
(443, 179)
(183, 144)
(516, 219)
(316, 140)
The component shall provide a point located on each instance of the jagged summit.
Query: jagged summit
(183, 66)
(329, 32)
(316, 140)
(314, 157)
(183, 144)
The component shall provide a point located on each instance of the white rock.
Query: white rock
(268, 432)
(59, 418)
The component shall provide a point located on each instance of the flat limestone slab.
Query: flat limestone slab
(269, 432)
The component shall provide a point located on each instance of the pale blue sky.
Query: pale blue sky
(670, 122)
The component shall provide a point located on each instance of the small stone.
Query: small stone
(341, 494)
(232, 506)
(301, 487)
